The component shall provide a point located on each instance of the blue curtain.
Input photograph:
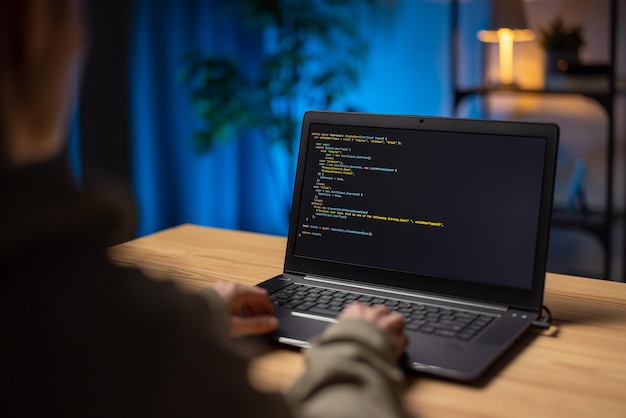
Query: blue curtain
(244, 184)
(247, 184)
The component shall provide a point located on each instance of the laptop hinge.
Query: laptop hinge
(362, 287)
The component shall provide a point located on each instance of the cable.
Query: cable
(546, 321)
(545, 324)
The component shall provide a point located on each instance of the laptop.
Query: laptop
(445, 220)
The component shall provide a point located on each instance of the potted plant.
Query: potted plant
(314, 55)
(562, 44)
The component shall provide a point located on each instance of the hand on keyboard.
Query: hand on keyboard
(251, 311)
(382, 317)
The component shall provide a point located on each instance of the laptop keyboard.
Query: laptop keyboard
(419, 317)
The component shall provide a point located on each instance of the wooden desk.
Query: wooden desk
(579, 373)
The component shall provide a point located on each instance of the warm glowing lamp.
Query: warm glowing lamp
(507, 25)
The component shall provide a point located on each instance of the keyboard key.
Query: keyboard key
(322, 311)
(412, 326)
(428, 329)
(445, 332)
(304, 306)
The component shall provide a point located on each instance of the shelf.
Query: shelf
(605, 98)
(597, 82)
(592, 221)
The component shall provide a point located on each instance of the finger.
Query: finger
(254, 300)
(400, 343)
(256, 304)
(393, 322)
(381, 309)
(375, 313)
(356, 305)
(226, 290)
(353, 310)
(363, 311)
(241, 326)
(251, 290)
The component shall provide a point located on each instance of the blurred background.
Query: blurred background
(189, 110)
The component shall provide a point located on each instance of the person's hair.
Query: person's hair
(11, 15)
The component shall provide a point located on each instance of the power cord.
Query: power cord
(545, 323)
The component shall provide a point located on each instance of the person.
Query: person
(84, 337)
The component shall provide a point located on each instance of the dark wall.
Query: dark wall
(104, 105)
(104, 120)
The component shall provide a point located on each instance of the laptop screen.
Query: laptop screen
(453, 204)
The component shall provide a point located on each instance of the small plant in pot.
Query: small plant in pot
(562, 44)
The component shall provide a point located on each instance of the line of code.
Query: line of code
(347, 167)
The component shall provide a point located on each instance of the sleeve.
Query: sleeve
(217, 310)
(351, 372)
(206, 374)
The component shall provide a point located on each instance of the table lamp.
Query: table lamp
(507, 25)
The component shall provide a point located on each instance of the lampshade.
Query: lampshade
(507, 25)
(507, 14)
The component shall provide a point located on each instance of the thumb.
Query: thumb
(253, 325)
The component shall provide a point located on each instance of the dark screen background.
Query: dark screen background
(453, 205)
